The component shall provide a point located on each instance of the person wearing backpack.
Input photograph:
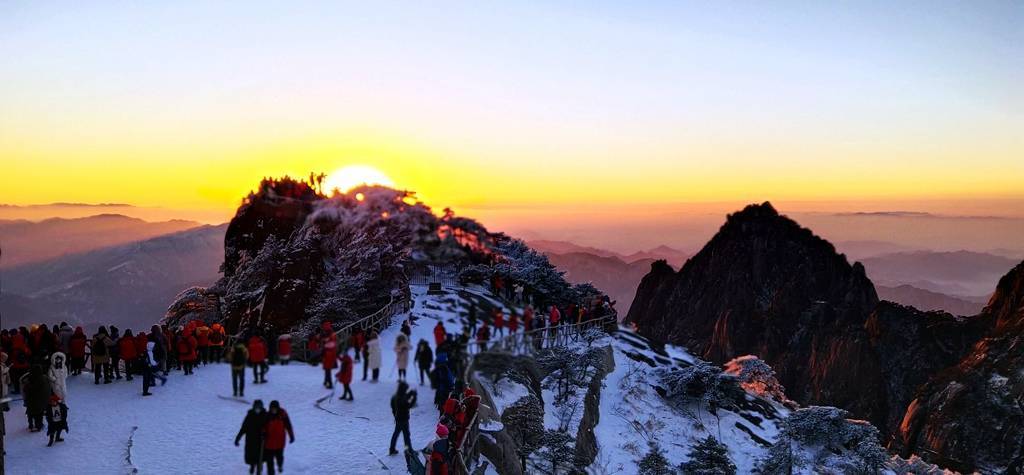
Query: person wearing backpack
(187, 352)
(238, 356)
(114, 367)
(100, 358)
(438, 461)
(203, 344)
(217, 338)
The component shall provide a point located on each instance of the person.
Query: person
(252, 428)
(257, 359)
(358, 341)
(238, 355)
(373, 354)
(284, 348)
(5, 379)
(217, 338)
(437, 463)
(407, 328)
(330, 359)
(20, 360)
(483, 335)
(187, 353)
(58, 375)
(76, 350)
(277, 425)
(499, 322)
(402, 348)
(439, 334)
(100, 358)
(401, 402)
(126, 349)
(151, 367)
(554, 316)
(513, 322)
(424, 358)
(114, 366)
(443, 380)
(202, 345)
(472, 317)
(64, 335)
(36, 397)
(345, 375)
(56, 419)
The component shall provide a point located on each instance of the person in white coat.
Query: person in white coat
(402, 348)
(58, 375)
(373, 354)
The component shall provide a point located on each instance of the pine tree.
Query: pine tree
(655, 463)
(709, 457)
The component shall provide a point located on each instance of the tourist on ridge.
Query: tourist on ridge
(439, 334)
(258, 359)
(345, 375)
(252, 428)
(284, 348)
(238, 355)
(58, 375)
(56, 419)
(330, 359)
(402, 348)
(100, 358)
(373, 355)
(36, 396)
(278, 424)
(424, 358)
(126, 348)
(401, 403)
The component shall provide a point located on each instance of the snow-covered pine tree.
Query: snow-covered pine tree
(709, 457)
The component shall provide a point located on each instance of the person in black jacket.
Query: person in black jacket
(401, 402)
(56, 419)
(36, 397)
(252, 429)
(424, 358)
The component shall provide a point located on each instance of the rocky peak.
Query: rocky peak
(764, 285)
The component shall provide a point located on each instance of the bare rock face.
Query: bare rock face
(766, 286)
(971, 415)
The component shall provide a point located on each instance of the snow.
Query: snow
(504, 393)
(189, 425)
(633, 413)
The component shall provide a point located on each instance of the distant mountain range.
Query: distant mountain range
(958, 273)
(25, 242)
(675, 257)
(128, 285)
(930, 301)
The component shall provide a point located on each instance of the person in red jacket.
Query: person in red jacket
(345, 375)
(313, 348)
(21, 359)
(258, 359)
(513, 322)
(284, 348)
(140, 348)
(76, 350)
(277, 426)
(126, 351)
(203, 343)
(439, 334)
(483, 335)
(329, 362)
(358, 341)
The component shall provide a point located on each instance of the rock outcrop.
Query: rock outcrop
(971, 415)
(765, 286)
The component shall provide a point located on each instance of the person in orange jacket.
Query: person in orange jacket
(513, 322)
(187, 353)
(203, 343)
(217, 339)
(345, 375)
(439, 334)
(258, 359)
(499, 322)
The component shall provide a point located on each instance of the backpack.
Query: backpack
(158, 352)
(439, 458)
(237, 357)
(99, 348)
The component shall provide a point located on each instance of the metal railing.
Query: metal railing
(526, 342)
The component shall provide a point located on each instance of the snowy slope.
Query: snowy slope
(188, 426)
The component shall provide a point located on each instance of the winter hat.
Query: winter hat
(442, 431)
(54, 399)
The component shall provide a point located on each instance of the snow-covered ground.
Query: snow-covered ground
(189, 425)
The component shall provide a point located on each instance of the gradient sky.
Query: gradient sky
(515, 104)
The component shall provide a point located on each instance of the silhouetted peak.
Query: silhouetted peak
(1007, 302)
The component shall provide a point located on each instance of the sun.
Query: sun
(347, 178)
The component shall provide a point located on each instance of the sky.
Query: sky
(513, 108)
